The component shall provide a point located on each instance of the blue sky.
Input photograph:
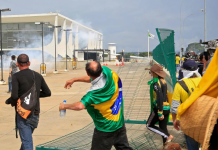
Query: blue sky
(126, 22)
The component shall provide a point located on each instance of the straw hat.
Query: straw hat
(199, 119)
(158, 69)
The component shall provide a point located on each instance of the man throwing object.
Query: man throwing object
(104, 103)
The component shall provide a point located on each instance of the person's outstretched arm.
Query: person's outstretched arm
(75, 106)
(80, 79)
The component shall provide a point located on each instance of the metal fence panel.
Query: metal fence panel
(164, 53)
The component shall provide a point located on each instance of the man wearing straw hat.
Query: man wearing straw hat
(182, 91)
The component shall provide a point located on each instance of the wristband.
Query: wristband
(160, 114)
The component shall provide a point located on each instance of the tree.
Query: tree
(145, 54)
(130, 54)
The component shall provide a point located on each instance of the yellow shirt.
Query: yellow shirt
(177, 60)
(180, 94)
(183, 58)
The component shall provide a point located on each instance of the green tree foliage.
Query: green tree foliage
(145, 54)
(142, 54)
(105, 55)
(130, 54)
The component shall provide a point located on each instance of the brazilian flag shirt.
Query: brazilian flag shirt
(104, 101)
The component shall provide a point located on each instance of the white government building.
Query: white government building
(22, 33)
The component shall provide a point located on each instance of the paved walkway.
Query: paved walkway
(51, 126)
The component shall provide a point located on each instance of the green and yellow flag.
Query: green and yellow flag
(105, 105)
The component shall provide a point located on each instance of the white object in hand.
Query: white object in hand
(63, 112)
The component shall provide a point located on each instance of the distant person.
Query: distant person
(22, 82)
(104, 103)
(183, 59)
(159, 104)
(177, 63)
(204, 61)
(182, 91)
(212, 46)
(12, 70)
(99, 58)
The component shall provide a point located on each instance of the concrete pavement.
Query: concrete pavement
(51, 125)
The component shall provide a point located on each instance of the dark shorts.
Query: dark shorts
(105, 140)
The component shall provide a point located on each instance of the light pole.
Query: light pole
(205, 28)
(54, 27)
(122, 55)
(2, 10)
(180, 31)
(43, 65)
(183, 27)
(66, 30)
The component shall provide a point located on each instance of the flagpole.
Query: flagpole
(148, 44)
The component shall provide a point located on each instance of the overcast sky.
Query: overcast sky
(126, 22)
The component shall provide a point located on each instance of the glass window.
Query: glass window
(34, 43)
(30, 26)
(39, 35)
(21, 26)
(38, 27)
(4, 45)
(45, 28)
(5, 36)
(16, 44)
(27, 35)
(21, 44)
(10, 34)
(4, 26)
(12, 26)
(48, 36)
(10, 44)
(16, 35)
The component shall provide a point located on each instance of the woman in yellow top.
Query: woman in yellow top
(160, 108)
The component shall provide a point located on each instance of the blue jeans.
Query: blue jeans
(26, 128)
(9, 84)
(191, 143)
(177, 67)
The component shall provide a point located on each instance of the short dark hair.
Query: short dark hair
(94, 73)
(13, 57)
(23, 59)
(206, 55)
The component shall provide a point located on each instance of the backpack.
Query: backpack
(26, 104)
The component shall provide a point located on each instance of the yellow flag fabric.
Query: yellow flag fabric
(207, 86)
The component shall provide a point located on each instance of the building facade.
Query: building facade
(23, 33)
(113, 50)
